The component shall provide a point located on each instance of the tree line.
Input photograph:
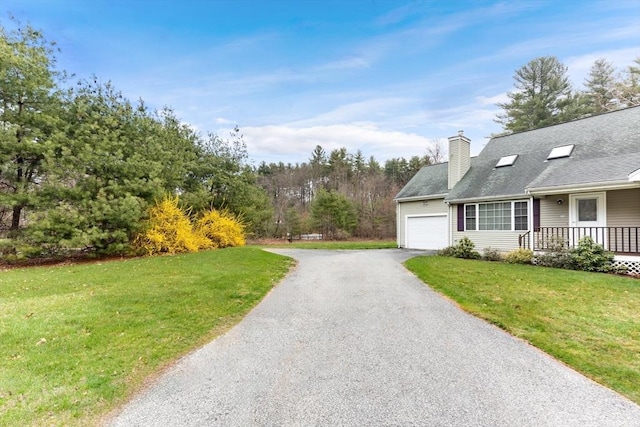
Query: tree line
(81, 165)
(338, 194)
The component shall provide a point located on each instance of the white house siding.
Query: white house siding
(434, 206)
(553, 214)
(504, 241)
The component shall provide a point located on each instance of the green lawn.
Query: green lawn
(77, 340)
(335, 245)
(590, 321)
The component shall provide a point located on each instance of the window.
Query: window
(587, 209)
(520, 218)
(558, 152)
(506, 161)
(494, 216)
(507, 216)
(470, 217)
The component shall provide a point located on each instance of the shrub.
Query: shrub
(587, 256)
(556, 255)
(221, 228)
(491, 254)
(462, 249)
(590, 256)
(169, 230)
(519, 256)
(448, 251)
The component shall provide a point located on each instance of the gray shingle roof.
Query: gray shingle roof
(607, 149)
(428, 181)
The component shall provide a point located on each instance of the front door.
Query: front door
(588, 217)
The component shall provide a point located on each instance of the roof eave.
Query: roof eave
(574, 188)
(418, 198)
(488, 198)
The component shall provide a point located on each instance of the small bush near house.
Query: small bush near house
(587, 256)
(556, 254)
(491, 254)
(448, 251)
(590, 256)
(519, 256)
(462, 249)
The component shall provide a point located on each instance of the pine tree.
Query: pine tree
(600, 87)
(27, 117)
(542, 97)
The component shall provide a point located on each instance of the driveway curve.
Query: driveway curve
(351, 338)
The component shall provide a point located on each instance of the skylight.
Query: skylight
(558, 152)
(506, 160)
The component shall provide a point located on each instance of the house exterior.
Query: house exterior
(531, 189)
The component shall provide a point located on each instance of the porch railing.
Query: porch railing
(621, 240)
(523, 240)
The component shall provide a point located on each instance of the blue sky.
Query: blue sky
(390, 78)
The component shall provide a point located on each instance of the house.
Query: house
(530, 189)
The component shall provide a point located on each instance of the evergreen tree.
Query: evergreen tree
(318, 156)
(600, 87)
(27, 117)
(542, 97)
(104, 169)
(333, 215)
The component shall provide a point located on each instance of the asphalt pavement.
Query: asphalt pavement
(351, 338)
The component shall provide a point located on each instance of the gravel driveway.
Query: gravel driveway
(351, 338)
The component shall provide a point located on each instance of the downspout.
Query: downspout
(398, 224)
(531, 222)
(449, 226)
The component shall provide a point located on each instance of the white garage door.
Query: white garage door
(427, 232)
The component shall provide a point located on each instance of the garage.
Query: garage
(427, 232)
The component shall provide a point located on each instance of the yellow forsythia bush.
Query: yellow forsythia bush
(171, 231)
(221, 228)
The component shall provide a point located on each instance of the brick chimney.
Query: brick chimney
(459, 157)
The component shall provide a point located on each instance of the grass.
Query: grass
(590, 321)
(333, 245)
(77, 340)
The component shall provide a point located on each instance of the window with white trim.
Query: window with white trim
(470, 217)
(509, 216)
(520, 216)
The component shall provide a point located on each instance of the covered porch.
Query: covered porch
(619, 240)
(624, 242)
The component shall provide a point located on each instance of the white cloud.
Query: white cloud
(223, 121)
(289, 144)
(366, 110)
(493, 100)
